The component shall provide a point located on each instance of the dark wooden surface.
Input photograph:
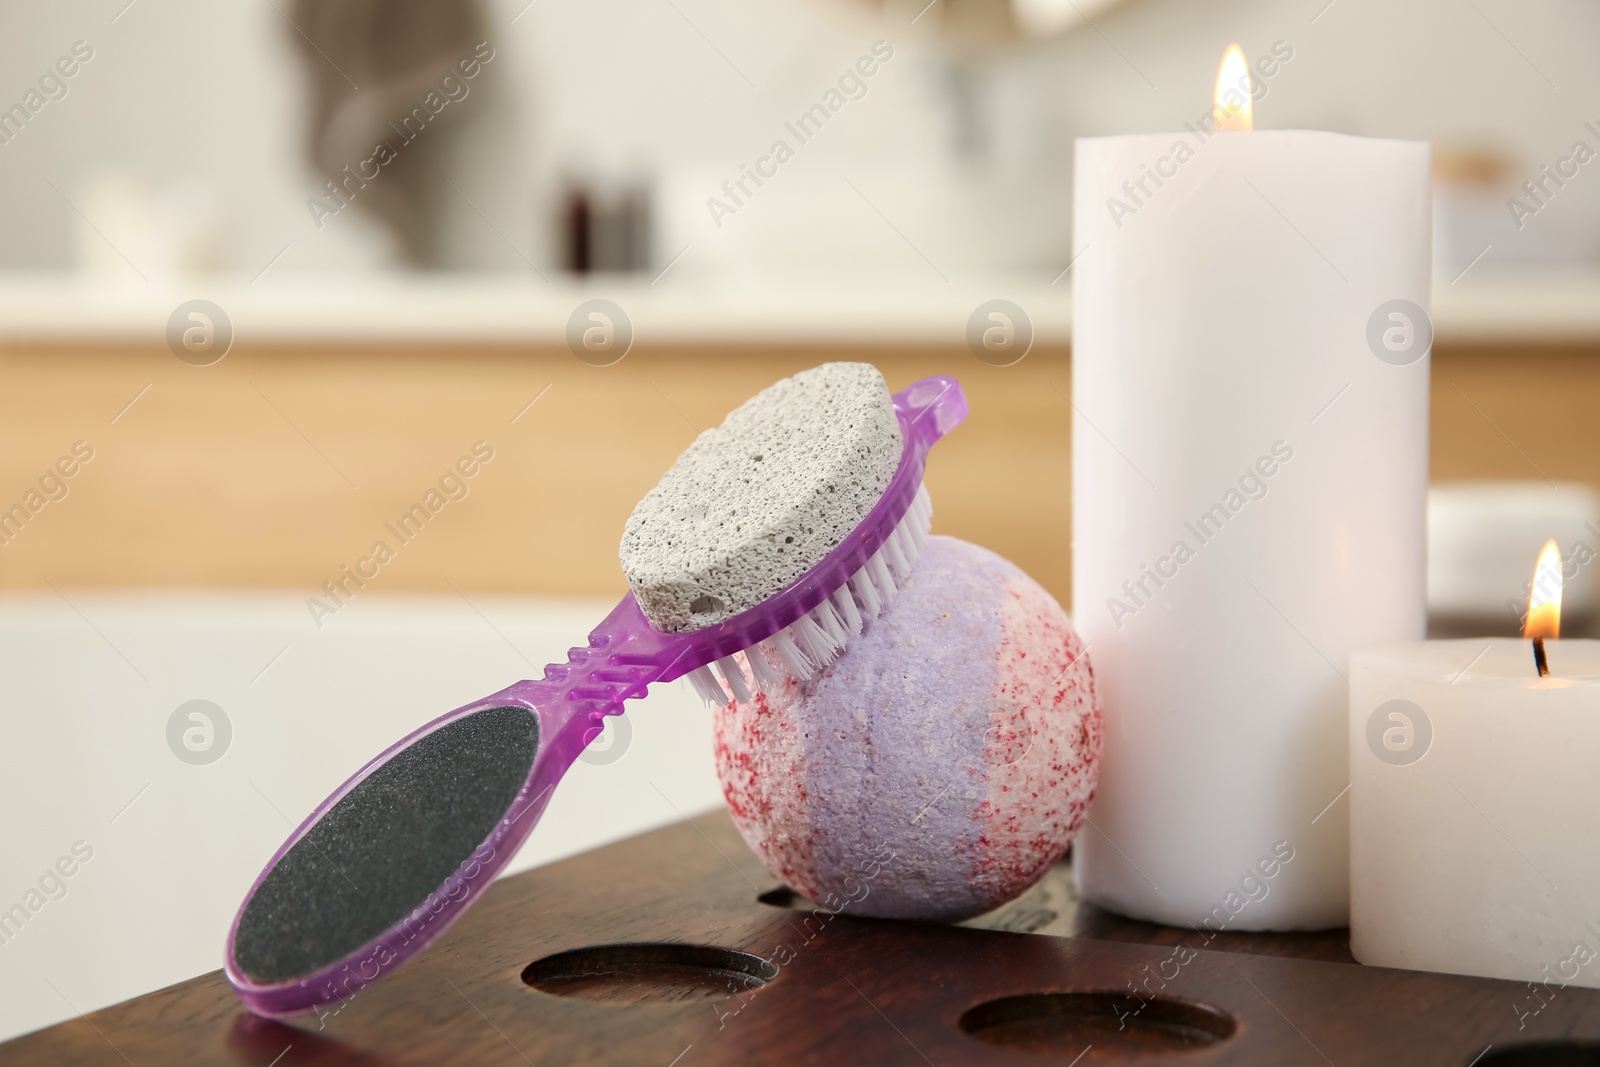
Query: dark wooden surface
(847, 991)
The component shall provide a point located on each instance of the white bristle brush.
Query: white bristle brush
(788, 494)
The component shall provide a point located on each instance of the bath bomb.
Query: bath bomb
(940, 765)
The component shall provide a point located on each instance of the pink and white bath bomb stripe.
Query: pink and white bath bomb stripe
(940, 765)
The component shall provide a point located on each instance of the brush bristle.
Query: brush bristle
(809, 644)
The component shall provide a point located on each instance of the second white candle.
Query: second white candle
(1249, 481)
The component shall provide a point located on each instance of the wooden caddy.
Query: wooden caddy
(678, 949)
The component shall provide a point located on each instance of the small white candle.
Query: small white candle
(1475, 804)
(1249, 485)
(1475, 807)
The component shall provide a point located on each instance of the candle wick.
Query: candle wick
(1539, 659)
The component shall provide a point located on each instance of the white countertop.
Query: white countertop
(1551, 308)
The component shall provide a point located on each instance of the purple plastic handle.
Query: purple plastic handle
(625, 654)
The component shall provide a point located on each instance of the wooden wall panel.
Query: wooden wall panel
(1520, 414)
(279, 465)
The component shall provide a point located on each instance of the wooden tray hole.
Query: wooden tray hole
(1116, 1025)
(1543, 1054)
(649, 972)
(1032, 911)
(784, 897)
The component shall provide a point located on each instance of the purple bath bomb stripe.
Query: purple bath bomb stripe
(913, 709)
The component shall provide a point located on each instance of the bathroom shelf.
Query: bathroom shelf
(1552, 308)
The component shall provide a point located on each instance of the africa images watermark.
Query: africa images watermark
(452, 485)
(342, 192)
(1252, 83)
(599, 332)
(999, 332)
(1140, 590)
(199, 332)
(52, 886)
(52, 86)
(53, 486)
(852, 85)
(1540, 191)
(785, 952)
(1254, 886)
(1580, 957)
(354, 976)
(199, 732)
(1399, 732)
(1572, 565)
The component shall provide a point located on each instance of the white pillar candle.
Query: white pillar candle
(1250, 385)
(1475, 810)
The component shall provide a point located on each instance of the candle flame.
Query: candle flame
(1544, 598)
(1233, 92)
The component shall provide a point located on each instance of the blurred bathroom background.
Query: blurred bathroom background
(271, 337)
(189, 145)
